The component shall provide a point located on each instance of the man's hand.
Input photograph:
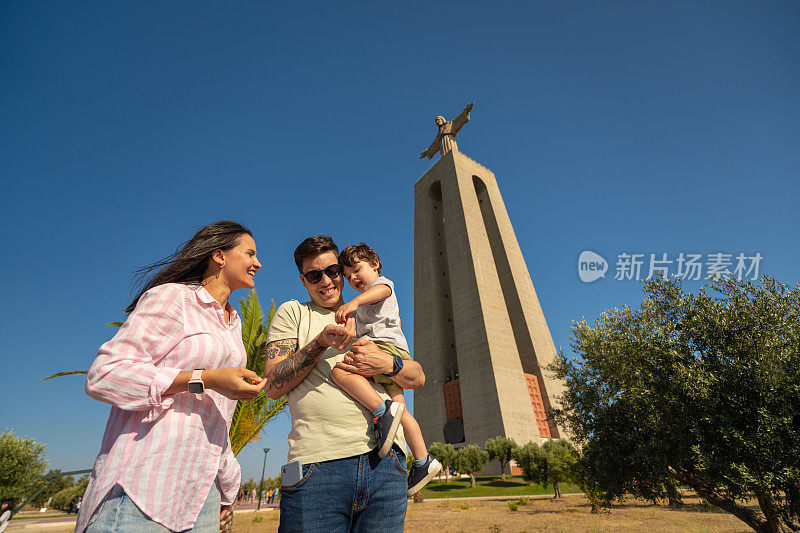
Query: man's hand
(366, 359)
(337, 336)
(230, 382)
(344, 312)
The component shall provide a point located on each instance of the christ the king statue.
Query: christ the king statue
(446, 138)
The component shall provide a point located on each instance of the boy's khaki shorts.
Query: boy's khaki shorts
(391, 349)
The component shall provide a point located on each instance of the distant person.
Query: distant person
(172, 375)
(6, 508)
(378, 319)
(344, 483)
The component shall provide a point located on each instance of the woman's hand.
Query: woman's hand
(225, 513)
(230, 382)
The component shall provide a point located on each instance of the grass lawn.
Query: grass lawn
(569, 515)
(490, 486)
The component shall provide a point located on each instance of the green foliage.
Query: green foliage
(271, 483)
(22, 463)
(502, 450)
(250, 417)
(445, 454)
(532, 460)
(470, 460)
(550, 463)
(249, 485)
(560, 457)
(512, 506)
(62, 499)
(695, 388)
(57, 484)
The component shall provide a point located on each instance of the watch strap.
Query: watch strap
(196, 384)
(397, 366)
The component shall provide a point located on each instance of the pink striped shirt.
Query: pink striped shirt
(165, 451)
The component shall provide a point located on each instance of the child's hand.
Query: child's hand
(345, 311)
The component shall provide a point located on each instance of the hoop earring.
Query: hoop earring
(222, 266)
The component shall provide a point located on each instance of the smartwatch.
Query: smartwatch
(398, 366)
(196, 384)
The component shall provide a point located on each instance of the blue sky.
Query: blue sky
(639, 127)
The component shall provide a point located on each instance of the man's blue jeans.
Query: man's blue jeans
(360, 494)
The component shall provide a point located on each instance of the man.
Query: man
(345, 486)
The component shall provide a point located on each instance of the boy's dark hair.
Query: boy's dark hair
(360, 252)
(314, 246)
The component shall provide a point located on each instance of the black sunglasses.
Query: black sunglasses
(315, 276)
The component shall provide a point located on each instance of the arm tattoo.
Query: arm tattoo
(281, 348)
(294, 363)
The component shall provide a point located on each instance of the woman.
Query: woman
(6, 508)
(172, 375)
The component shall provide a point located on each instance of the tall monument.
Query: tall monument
(479, 331)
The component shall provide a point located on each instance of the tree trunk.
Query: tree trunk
(472, 479)
(503, 470)
(556, 491)
(755, 520)
(674, 496)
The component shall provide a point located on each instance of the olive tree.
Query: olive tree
(501, 449)
(560, 456)
(698, 389)
(22, 464)
(445, 454)
(531, 459)
(470, 460)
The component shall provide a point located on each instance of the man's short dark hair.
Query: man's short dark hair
(360, 252)
(315, 245)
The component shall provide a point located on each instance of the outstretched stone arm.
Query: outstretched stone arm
(461, 119)
(431, 150)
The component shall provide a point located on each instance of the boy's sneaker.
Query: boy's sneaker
(420, 475)
(386, 426)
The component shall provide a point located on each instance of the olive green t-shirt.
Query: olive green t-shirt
(327, 423)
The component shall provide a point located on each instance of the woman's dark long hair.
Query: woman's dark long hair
(189, 263)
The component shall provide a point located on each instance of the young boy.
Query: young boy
(378, 319)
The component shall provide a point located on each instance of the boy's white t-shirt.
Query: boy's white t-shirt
(381, 321)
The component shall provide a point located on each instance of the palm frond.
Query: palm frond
(66, 374)
(250, 418)
(271, 313)
(252, 316)
(253, 417)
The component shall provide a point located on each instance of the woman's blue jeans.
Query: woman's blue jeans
(356, 494)
(118, 513)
